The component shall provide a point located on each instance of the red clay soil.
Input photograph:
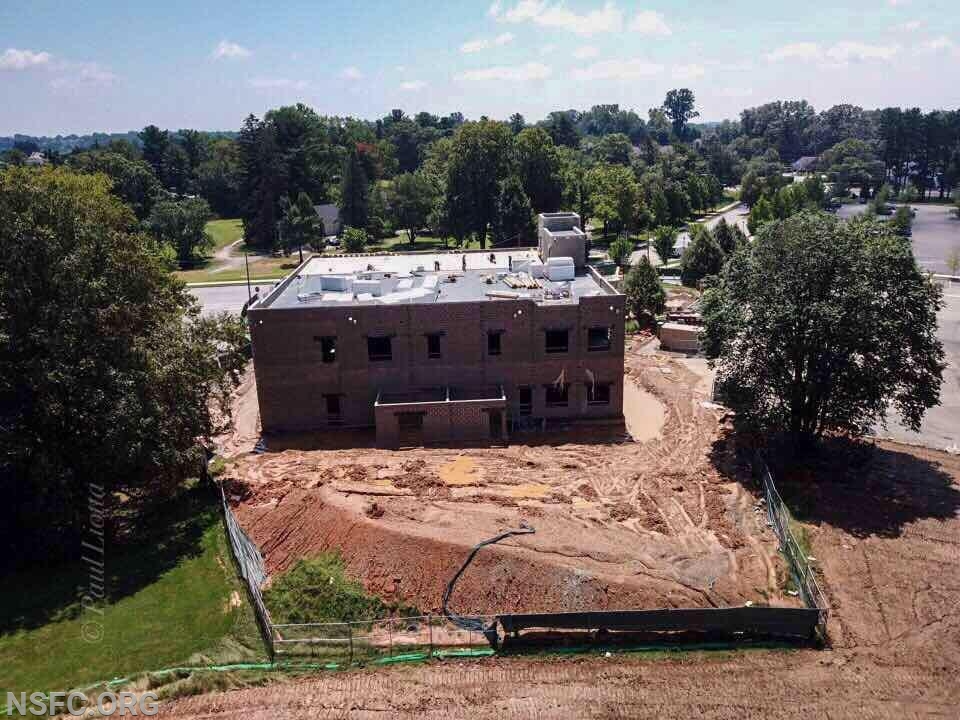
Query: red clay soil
(620, 524)
(885, 532)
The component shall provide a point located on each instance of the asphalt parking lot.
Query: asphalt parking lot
(936, 231)
(941, 425)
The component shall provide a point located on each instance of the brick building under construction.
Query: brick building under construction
(442, 347)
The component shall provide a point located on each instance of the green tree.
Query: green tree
(615, 196)
(154, 143)
(539, 166)
(728, 236)
(133, 180)
(354, 192)
(902, 221)
(301, 224)
(415, 196)
(702, 258)
(664, 241)
(517, 123)
(760, 214)
(644, 292)
(819, 325)
(108, 375)
(620, 251)
(354, 239)
(679, 105)
(480, 160)
(181, 224)
(513, 222)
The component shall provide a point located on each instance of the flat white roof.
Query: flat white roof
(411, 262)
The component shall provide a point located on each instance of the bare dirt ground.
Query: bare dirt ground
(619, 523)
(885, 529)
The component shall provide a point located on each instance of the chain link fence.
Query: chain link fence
(800, 568)
(252, 569)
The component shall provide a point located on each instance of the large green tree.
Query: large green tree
(354, 192)
(182, 225)
(644, 292)
(414, 198)
(513, 222)
(680, 107)
(702, 258)
(615, 195)
(480, 160)
(107, 372)
(819, 326)
(540, 167)
(301, 224)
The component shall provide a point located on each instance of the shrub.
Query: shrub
(318, 589)
(354, 239)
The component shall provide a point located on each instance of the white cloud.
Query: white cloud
(413, 85)
(230, 51)
(795, 51)
(898, 3)
(277, 83)
(619, 70)
(585, 52)
(548, 49)
(609, 18)
(510, 73)
(76, 75)
(735, 92)
(495, 8)
(840, 54)
(688, 72)
(848, 51)
(351, 73)
(650, 22)
(911, 26)
(479, 44)
(13, 59)
(936, 44)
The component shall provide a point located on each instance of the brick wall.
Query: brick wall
(292, 379)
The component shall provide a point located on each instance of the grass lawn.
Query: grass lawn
(262, 267)
(174, 598)
(224, 232)
(400, 243)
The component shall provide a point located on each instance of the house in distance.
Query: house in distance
(442, 347)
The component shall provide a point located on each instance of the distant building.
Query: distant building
(329, 214)
(808, 163)
(442, 347)
(35, 159)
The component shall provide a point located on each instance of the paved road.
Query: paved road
(936, 231)
(222, 298)
(941, 425)
(735, 216)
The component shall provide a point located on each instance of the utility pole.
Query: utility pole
(246, 264)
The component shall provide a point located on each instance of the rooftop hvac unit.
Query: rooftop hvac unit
(560, 268)
(371, 287)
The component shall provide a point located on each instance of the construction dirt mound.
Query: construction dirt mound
(619, 523)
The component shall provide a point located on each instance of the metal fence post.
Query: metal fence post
(350, 635)
(430, 631)
(390, 634)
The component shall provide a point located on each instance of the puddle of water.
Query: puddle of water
(462, 471)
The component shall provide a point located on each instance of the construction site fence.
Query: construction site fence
(782, 522)
(368, 641)
(252, 569)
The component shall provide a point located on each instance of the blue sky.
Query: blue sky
(115, 65)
